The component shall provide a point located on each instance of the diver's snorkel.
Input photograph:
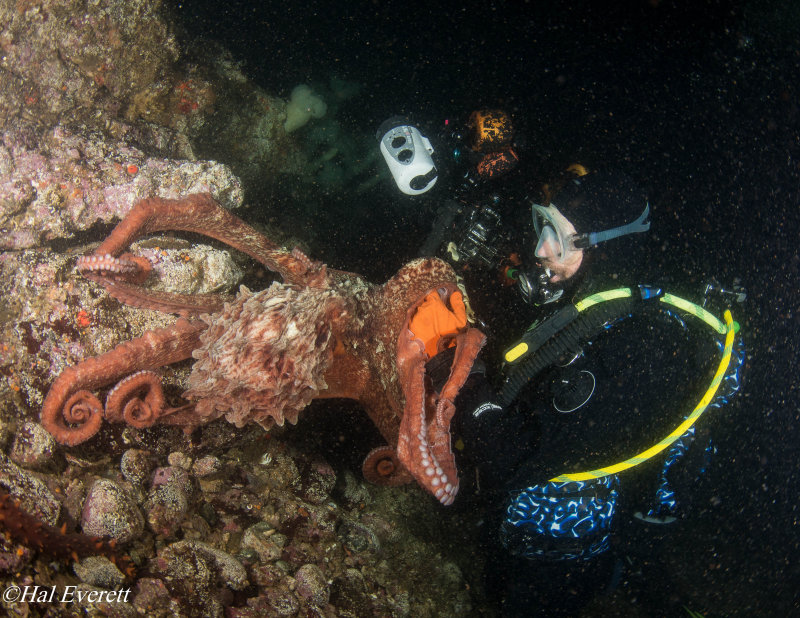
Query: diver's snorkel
(554, 228)
(408, 154)
(638, 225)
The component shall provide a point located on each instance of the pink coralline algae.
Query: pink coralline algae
(65, 182)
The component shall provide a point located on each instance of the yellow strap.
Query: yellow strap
(680, 429)
(602, 297)
(696, 310)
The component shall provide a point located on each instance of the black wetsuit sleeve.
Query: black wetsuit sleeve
(496, 440)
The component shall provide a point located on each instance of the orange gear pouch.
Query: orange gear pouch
(434, 320)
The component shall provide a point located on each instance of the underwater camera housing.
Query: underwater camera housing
(408, 154)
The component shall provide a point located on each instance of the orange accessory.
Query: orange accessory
(490, 129)
(433, 320)
(496, 164)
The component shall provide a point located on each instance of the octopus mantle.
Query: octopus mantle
(262, 357)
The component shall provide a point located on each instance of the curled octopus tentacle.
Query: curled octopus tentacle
(137, 400)
(382, 467)
(72, 414)
(424, 441)
(81, 417)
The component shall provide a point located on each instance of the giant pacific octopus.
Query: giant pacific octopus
(263, 356)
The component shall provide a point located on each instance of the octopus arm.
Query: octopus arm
(382, 467)
(200, 213)
(181, 304)
(418, 444)
(468, 345)
(72, 414)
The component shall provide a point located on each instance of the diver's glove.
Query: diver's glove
(478, 414)
(477, 400)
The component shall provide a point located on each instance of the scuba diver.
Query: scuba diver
(595, 422)
(570, 440)
(597, 427)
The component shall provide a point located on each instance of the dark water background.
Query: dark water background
(699, 101)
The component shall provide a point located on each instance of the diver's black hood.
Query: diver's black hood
(600, 201)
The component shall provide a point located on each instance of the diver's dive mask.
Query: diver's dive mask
(557, 236)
